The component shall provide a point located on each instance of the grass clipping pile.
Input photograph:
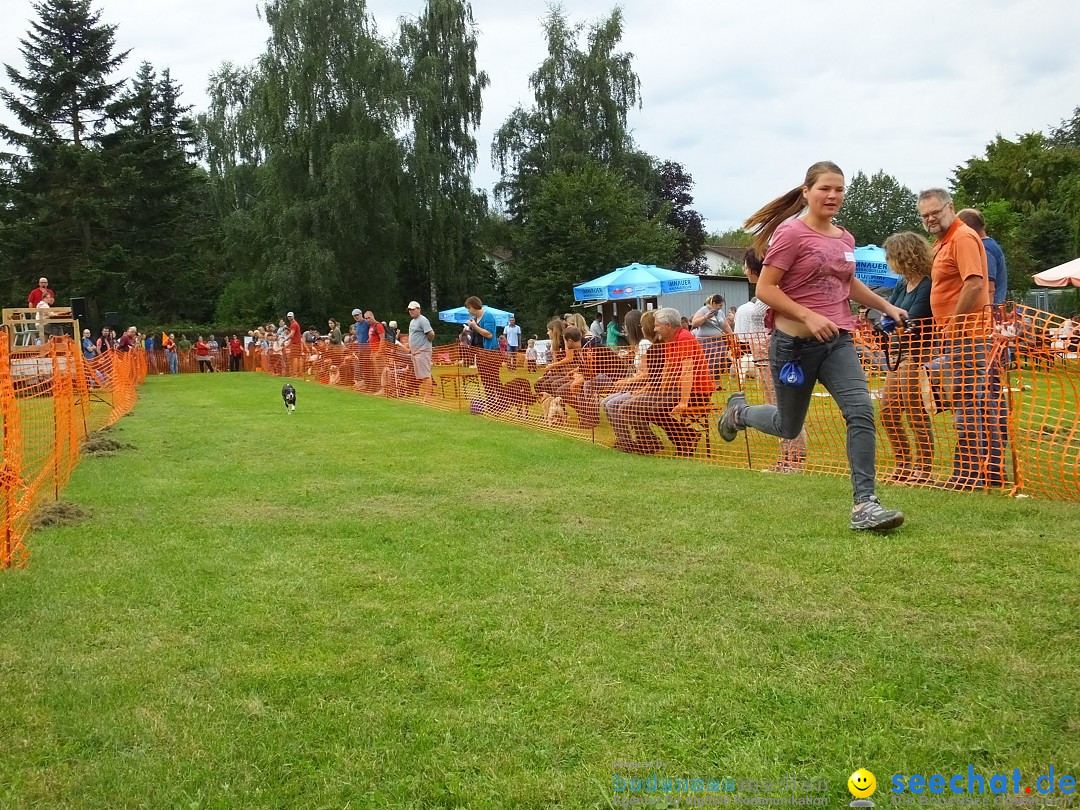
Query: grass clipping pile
(59, 513)
(100, 444)
(62, 513)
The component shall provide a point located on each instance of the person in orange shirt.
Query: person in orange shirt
(376, 333)
(959, 298)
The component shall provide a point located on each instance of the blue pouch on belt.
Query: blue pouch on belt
(791, 375)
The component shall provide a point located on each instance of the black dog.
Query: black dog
(288, 393)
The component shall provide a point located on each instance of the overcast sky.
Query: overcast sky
(745, 95)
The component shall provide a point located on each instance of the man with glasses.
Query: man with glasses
(959, 298)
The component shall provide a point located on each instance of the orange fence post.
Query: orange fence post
(57, 432)
(12, 551)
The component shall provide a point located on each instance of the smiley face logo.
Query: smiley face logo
(862, 784)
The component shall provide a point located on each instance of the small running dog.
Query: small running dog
(288, 393)
(553, 410)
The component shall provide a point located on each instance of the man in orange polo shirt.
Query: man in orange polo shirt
(959, 296)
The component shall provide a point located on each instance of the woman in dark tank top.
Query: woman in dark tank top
(910, 255)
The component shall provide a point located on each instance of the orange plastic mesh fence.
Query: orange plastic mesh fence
(983, 401)
(1042, 359)
(51, 399)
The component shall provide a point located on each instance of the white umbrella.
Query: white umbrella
(1061, 276)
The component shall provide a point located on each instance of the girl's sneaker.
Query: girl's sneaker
(873, 516)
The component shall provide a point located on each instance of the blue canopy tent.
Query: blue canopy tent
(636, 281)
(461, 315)
(871, 269)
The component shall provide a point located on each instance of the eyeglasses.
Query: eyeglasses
(934, 214)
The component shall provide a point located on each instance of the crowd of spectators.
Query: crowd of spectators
(656, 372)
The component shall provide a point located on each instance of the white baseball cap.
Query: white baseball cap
(290, 315)
(356, 312)
(414, 305)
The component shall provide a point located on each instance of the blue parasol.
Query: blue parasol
(871, 268)
(636, 281)
(461, 315)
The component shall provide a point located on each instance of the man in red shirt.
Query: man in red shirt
(296, 345)
(39, 291)
(127, 340)
(685, 385)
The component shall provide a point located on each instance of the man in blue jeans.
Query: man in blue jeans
(90, 351)
(959, 297)
(512, 332)
(170, 354)
(997, 404)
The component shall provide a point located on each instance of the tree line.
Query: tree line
(336, 170)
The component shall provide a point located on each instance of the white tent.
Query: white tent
(1061, 276)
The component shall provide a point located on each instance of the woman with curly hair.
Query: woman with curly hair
(910, 255)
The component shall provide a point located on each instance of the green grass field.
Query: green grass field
(374, 605)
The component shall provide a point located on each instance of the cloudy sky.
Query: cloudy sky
(745, 95)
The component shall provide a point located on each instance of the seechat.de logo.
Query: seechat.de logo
(862, 785)
(973, 783)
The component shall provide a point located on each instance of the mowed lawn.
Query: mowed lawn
(370, 604)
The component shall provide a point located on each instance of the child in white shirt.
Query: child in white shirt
(530, 355)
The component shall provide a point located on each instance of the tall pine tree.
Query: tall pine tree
(160, 228)
(56, 182)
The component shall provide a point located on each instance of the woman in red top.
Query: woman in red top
(807, 280)
(202, 354)
(236, 353)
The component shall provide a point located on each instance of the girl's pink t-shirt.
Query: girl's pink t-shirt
(817, 269)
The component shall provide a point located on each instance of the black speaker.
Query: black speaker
(112, 320)
(78, 309)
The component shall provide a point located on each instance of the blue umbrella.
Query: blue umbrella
(461, 315)
(871, 268)
(636, 281)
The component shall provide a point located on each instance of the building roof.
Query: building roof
(729, 252)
